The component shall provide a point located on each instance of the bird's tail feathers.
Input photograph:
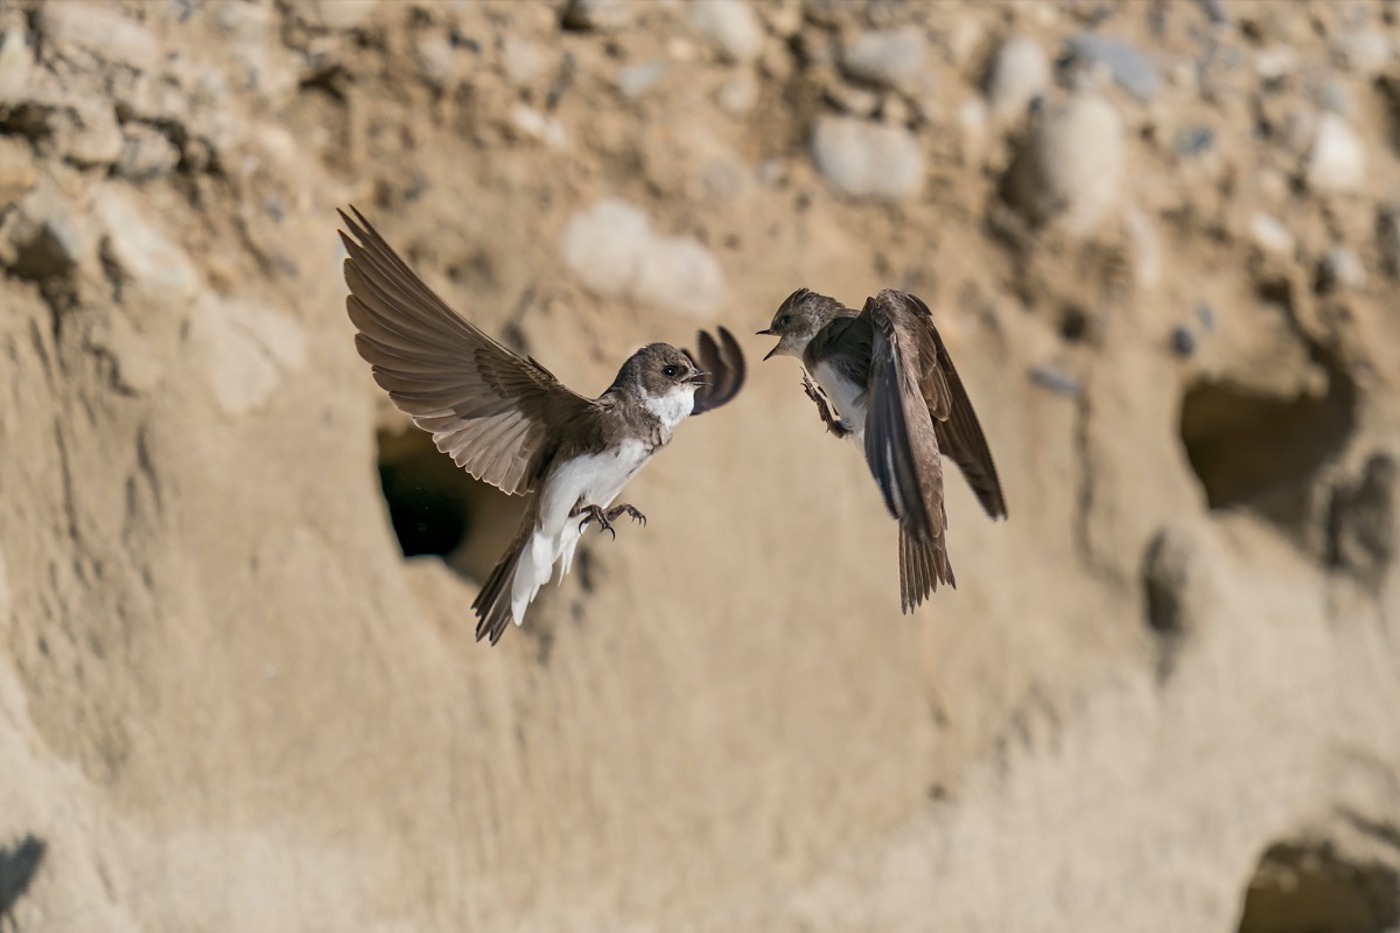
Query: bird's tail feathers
(923, 564)
(494, 604)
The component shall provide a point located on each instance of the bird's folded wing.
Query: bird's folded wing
(960, 436)
(486, 407)
(724, 361)
(901, 446)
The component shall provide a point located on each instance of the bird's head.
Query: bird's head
(665, 379)
(797, 321)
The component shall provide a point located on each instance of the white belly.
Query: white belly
(591, 479)
(847, 397)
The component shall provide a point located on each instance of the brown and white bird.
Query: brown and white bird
(507, 421)
(895, 391)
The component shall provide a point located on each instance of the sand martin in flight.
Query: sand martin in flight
(895, 391)
(507, 421)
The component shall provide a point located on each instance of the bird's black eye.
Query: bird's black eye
(671, 372)
(784, 321)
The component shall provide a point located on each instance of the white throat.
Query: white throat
(798, 343)
(673, 407)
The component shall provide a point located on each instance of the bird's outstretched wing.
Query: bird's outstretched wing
(917, 409)
(960, 436)
(486, 407)
(724, 361)
(901, 448)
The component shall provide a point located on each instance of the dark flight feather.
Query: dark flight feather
(724, 361)
(488, 408)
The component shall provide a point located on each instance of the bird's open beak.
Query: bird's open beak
(769, 355)
(699, 378)
(768, 332)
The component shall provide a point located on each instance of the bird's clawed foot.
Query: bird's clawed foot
(628, 510)
(594, 513)
(815, 394)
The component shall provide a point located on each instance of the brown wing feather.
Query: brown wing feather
(486, 407)
(960, 436)
(724, 361)
(901, 448)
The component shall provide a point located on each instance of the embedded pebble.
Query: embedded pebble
(600, 15)
(1194, 140)
(1269, 234)
(1205, 314)
(538, 125)
(1131, 69)
(1335, 96)
(524, 62)
(1147, 251)
(340, 14)
(263, 65)
(146, 153)
(1275, 63)
(972, 122)
(49, 242)
(635, 80)
(730, 25)
(436, 58)
(1183, 341)
(1070, 169)
(150, 260)
(16, 63)
(1337, 160)
(99, 29)
(891, 58)
(84, 128)
(738, 95)
(867, 159)
(604, 244)
(1019, 74)
(1342, 269)
(681, 274)
(1364, 51)
(613, 250)
(1056, 380)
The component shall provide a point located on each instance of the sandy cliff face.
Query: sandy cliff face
(1161, 241)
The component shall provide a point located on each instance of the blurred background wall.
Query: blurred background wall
(1161, 240)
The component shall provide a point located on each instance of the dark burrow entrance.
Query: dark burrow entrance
(1263, 451)
(1309, 888)
(436, 508)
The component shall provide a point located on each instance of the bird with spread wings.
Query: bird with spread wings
(506, 420)
(895, 390)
